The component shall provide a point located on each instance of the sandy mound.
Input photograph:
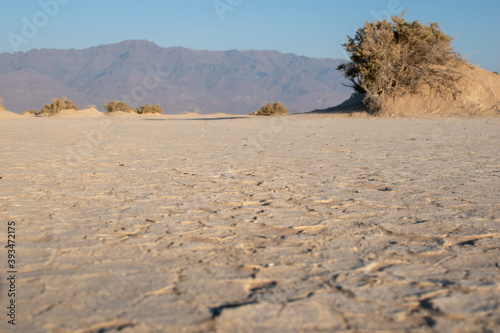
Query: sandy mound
(224, 115)
(185, 115)
(479, 95)
(193, 115)
(190, 115)
(28, 114)
(5, 114)
(87, 113)
(122, 114)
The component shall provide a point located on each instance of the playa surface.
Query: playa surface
(307, 223)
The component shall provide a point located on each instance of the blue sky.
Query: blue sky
(310, 28)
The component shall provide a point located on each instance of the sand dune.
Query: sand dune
(86, 113)
(5, 114)
(478, 95)
(307, 223)
(94, 113)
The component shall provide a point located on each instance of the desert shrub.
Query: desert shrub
(115, 106)
(271, 109)
(57, 106)
(149, 109)
(392, 58)
(30, 112)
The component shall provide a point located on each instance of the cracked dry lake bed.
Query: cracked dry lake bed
(292, 224)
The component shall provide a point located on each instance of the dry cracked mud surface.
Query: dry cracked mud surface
(289, 224)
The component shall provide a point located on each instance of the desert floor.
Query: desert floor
(307, 223)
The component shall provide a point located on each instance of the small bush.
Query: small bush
(271, 109)
(115, 106)
(390, 59)
(29, 113)
(57, 106)
(149, 109)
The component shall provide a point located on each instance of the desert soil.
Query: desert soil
(309, 223)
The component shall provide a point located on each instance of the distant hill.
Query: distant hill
(180, 80)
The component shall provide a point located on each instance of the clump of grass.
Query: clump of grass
(393, 58)
(115, 106)
(58, 105)
(271, 109)
(145, 109)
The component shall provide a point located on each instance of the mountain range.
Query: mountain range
(178, 79)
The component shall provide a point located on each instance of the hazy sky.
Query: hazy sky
(313, 28)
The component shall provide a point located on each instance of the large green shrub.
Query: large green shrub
(392, 58)
(115, 106)
(57, 106)
(149, 109)
(272, 109)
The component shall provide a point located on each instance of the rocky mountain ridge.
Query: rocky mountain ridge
(179, 79)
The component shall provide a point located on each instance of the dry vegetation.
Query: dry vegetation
(271, 109)
(393, 58)
(115, 106)
(154, 109)
(30, 112)
(57, 106)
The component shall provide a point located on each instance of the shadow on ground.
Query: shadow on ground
(353, 105)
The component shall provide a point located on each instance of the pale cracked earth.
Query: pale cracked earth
(293, 224)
